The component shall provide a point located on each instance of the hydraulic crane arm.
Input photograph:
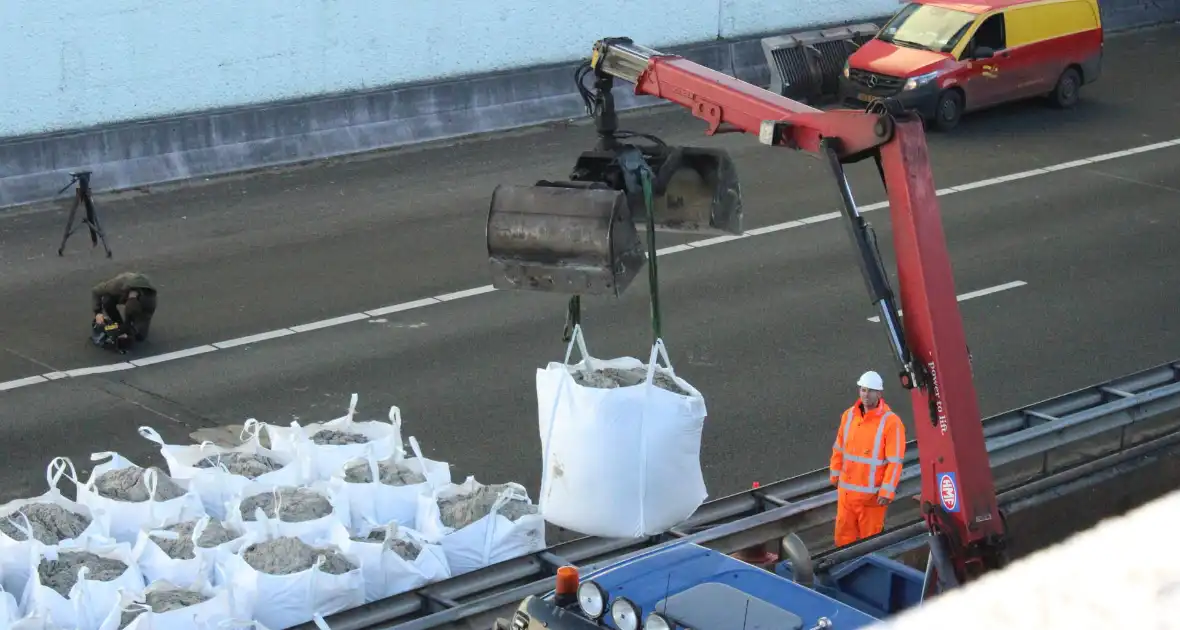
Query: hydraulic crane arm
(958, 495)
(723, 101)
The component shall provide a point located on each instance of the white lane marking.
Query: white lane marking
(241, 341)
(404, 306)
(21, 382)
(171, 356)
(99, 369)
(974, 294)
(327, 323)
(456, 295)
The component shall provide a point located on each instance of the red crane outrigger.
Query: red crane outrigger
(958, 498)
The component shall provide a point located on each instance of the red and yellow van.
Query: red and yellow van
(942, 58)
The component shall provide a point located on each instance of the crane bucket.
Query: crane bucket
(695, 190)
(564, 237)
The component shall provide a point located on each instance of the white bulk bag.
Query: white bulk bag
(14, 554)
(9, 610)
(385, 440)
(308, 531)
(621, 462)
(490, 539)
(202, 616)
(157, 565)
(282, 601)
(89, 601)
(375, 503)
(127, 517)
(35, 622)
(216, 486)
(387, 573)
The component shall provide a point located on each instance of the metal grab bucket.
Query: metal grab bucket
(564, 237)
(695, 189)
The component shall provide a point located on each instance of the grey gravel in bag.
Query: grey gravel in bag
(128, 484)
(287, 554)
(215, 533)
(61, 574)
(332, 437)
(50, 522)
(392, 474)
(296, 505)
(407, 549)
(462, 510)
(610, 378)
(162, 601)
(250, 465)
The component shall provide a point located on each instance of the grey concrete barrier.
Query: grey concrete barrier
(123, 156)
(202, 144)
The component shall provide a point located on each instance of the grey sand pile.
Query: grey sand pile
(182, 548)
(464, 509)
(288, 554)
(610, 378)
(407, 549)
(61, 574)
(162, 601)
(248, 465)
(127, 484)
(332, 437)
(51, 523)
(392, 474)
(296, 505)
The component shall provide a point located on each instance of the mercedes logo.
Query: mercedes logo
(872, 80)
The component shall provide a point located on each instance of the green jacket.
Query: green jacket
(116, 288)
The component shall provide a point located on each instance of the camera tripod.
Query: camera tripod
(82, 197)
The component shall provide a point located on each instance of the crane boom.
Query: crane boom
(958, 495)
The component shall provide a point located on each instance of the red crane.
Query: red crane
(958, 497)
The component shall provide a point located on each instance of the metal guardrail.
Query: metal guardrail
(1118, 411)
(897, 540)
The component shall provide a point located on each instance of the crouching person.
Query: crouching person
(134, 294)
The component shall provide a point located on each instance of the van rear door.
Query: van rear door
(1046, 37)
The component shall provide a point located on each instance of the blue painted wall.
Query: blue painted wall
(69, 64)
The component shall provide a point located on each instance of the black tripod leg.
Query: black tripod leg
(69, 224)
(96, 232)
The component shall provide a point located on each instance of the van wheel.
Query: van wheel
(949, 110)
(1065, 94)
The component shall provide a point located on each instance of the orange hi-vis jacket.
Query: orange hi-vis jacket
(867, 454)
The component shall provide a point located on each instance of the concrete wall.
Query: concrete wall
(211, 90)
(70, 63)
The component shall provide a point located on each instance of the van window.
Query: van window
(990, 34)
(1039, 22)
(926, 27)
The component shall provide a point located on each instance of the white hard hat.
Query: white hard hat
(871, 380)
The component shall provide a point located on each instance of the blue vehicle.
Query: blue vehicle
(686, 586)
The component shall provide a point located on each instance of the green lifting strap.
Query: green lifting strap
(573, 318)
(633, 166)
(652, 272)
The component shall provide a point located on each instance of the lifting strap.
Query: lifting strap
(634, 167)
(653, 274)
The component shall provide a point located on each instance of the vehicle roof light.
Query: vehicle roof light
(567, 580)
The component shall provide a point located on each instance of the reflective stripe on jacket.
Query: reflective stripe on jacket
(868, 451)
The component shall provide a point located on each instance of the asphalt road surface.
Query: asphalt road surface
(772, 328)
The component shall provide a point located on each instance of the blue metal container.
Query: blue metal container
(690, 586)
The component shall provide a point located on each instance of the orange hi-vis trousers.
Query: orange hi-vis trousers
(858, 519)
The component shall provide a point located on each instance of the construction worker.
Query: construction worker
(135, 293)
(866, 462)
